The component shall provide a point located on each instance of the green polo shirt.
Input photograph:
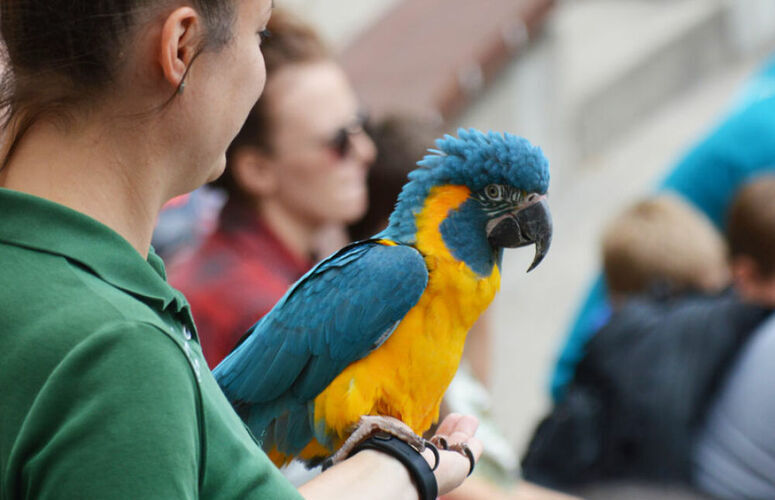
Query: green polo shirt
(104, 392)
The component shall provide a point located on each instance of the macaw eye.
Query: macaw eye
(493, 192)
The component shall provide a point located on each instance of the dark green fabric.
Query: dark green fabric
(105, 393)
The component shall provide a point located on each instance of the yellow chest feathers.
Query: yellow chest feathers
(459, 293)
(407, 376)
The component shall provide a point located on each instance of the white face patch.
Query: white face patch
(497, 199)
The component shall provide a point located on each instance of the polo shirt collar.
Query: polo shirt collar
(39, 224)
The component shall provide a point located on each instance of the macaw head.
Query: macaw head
(491, 189)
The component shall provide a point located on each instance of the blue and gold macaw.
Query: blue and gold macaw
(378, 328)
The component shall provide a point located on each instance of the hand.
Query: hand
(453, 466)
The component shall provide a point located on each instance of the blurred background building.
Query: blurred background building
(613, 90)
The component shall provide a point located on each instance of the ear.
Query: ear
(254, 172)
(181, 35)
(745, 274)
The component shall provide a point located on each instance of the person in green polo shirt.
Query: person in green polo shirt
(110, 109)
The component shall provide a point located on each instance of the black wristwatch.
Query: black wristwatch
(419, 470)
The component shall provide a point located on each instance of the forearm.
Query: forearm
(369, 474)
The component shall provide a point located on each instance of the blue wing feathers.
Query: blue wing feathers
(333, 316)
(289, 430)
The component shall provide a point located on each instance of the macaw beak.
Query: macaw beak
(528, 225)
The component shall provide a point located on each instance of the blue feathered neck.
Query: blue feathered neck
(473, 159)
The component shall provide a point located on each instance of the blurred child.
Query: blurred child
(663, 243)
(660, 245)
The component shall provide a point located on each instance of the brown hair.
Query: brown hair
(751, 224)
(59, 53)
(401, 142)
(289, 41)
(663, 241)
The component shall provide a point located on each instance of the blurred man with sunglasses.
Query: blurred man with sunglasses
(296, 170)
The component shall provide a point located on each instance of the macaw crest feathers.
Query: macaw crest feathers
(476, 159)
(473, 159)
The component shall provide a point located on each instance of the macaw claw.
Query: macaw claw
(462, 448)
(371, 425)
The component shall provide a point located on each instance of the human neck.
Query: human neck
(95, 169)
(296, 234)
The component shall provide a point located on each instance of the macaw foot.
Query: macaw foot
(441, 443)
(370, 425)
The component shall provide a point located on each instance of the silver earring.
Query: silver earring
(181, 87)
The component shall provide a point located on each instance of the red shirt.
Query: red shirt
(234, 278)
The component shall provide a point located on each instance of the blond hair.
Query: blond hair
(663, 241)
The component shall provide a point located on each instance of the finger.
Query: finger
(466, 424)
(473, 443)
(454, 467)
(448, 425)
(458, 437)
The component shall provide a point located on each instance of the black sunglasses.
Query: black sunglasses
(341, 143)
